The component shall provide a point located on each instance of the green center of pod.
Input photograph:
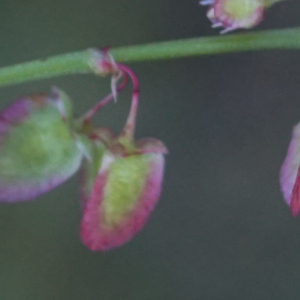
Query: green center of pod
(125, 183)
(38, 147)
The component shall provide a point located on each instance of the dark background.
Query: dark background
(221, 229)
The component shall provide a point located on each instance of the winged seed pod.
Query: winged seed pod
(290, 174)
(119, 194)
(37, 149)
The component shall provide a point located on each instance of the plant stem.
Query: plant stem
(71, 63)
(259, 40)
(82, 62)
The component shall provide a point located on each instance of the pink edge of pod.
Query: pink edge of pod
(295, 198)
(14, 113)
(22, 192)
(96, 236)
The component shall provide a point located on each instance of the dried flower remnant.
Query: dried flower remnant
(290, 173)
(236, 14)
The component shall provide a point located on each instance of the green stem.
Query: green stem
(71, 63)
(82, 62)
(260, 40)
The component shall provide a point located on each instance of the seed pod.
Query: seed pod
(235, 14)
(125, 190)
(290, 174)
(37, 148)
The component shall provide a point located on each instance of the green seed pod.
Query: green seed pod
(235, 14)
(37, 148)
(121, 192)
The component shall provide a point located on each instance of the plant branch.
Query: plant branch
(82, 62)
(259, 40)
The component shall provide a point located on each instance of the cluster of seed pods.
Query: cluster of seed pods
(42, 145)
(236, 14)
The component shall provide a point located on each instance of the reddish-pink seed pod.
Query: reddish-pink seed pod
(123, 193)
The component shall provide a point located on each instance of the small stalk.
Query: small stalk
(129, 129)
(87, 117)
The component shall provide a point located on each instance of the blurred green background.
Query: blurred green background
(221, 229)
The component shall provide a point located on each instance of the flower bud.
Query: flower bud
(37, 149)
(124, 191)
